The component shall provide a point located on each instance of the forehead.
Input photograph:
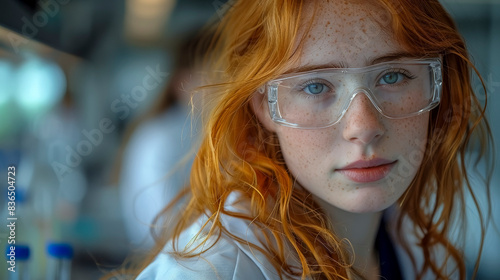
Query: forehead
(349, 32)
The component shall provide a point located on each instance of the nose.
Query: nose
(362, 121)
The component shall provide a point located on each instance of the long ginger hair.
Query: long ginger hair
(254, 42)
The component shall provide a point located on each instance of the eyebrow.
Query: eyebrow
(393, 56)
(385, 58)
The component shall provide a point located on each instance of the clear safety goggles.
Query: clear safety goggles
(320, 98)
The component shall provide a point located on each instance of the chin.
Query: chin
(367, 200)
(362, 209)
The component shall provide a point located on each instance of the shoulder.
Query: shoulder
(223, 261)
(225, 258)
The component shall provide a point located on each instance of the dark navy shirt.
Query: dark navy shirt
(389, 265)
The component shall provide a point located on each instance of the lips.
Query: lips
(363, 171)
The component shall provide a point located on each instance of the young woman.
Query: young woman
(334, 146)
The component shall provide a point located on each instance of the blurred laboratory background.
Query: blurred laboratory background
(95, 116)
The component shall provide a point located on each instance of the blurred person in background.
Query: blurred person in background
(156, 158)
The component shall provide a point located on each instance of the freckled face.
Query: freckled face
(353, 33)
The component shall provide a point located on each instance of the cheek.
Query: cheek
(411, 140)
(303, 149)
(414, 131)
(291, 138)
(413, 103)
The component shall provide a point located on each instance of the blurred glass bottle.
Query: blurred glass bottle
(59, 256)
(19, 264)
(28, 231)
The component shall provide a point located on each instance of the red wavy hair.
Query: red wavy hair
(253, 44)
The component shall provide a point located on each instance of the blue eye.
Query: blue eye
(315, 88)
(391, 78)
